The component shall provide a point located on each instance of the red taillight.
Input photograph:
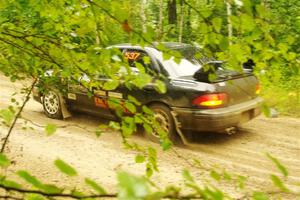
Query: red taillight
(258, 89)
(211, 100)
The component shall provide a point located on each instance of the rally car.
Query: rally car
(193, 100)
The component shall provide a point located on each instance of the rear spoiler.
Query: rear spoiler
(210, 74)
(203, 74)
(248, 66)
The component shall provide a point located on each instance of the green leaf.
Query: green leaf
(9, 183)
(111, 85)
(30, 179)
(281, 168)
(51, 189)
(126, 130)
(147, 110)
(4, 162)
(34, 197)
(133, 100)
(77, 193)
(100, 129)
(161, 87)
(7, 115)
(95, 186)
(148, 128)
(149, 170)
(215, 175)
(226, 176)
(212, 193)
(128, 126)
(224, 43)
(166, 144)
(187, 176)
(247, 22)
(212, 77)
(132, 187)
(206, 12)
(241, 181)
(130, 107)
(98, 132)
(167, 56)
(259, 196)
(138, 118)
(139, 158)
(266, 110)
(152, 157)
(278, 182)
(65, 168)
(114, 125)
(142, 80)
(50, 129)
(217, 23)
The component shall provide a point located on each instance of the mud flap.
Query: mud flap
(64, 110)
(180, 133)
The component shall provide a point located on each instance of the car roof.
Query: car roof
(169, 45)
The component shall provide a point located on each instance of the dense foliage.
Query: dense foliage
(70, 37)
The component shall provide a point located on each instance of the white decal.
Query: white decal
(115, 95)
(72, 96)
(100, 92)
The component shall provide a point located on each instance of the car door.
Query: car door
(138, 59)
(80, 98)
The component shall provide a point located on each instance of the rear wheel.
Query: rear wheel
(163, 116)
(52, 105)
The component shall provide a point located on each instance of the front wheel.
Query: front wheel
(52, 105)
(164, 117)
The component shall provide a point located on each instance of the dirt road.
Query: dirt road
(100, 158)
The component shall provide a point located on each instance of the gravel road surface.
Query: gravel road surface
(100, 158)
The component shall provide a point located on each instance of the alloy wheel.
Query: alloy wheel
(51, 102)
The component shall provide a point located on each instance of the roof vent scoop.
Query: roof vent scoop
(248, 66)
(206, 72)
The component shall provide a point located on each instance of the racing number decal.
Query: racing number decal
(132, 55)
(100, 102)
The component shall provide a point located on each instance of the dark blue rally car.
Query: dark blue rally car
(193, 101)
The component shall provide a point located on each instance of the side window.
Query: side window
(137, 58)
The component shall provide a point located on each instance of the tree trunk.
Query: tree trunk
(181, 21)
(229, 23)
(188, 26)
(172, 10)
(161, 20)
(143, 15)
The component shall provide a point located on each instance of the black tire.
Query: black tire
(52, 105)
(163, 116)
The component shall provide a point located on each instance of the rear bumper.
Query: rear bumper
(218, 119)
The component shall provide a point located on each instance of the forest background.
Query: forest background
(70, 36)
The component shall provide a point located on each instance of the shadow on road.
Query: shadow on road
(217, 137)
(198, 139)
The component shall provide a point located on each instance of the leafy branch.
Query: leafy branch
(27, 97)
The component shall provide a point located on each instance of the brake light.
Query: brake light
(211, 100)
(257, 89)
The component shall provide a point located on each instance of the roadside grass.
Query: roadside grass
(285, 102)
